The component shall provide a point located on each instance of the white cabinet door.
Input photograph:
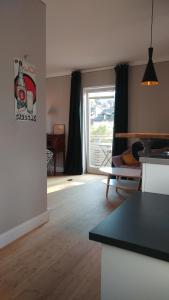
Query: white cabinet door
(155, 178)
(126, 275)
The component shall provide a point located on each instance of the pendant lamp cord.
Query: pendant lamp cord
(152, 23)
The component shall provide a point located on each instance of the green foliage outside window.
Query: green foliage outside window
(101, 133)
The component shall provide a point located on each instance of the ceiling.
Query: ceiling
(89, 34)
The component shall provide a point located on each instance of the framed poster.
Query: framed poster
(59, 129)
(24, 90)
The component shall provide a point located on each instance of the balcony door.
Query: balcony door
(99, 127)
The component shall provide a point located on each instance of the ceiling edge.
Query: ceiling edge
(137, 63)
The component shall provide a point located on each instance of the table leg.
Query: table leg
(107, 156)
(108, 181)
(103, 162)
(54, 160)
(63, 161)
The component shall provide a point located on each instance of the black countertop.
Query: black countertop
(155, 157)
(140, 224)
(154, 160)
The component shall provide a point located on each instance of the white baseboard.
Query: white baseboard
(20, 230)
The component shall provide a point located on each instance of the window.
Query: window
(99, 126)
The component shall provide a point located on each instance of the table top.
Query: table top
(124, 172)
(140, 224)
(143, 135)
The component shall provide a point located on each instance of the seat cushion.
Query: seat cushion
(128, 159)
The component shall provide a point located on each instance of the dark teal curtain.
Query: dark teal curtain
(73, 164)
(121, 108)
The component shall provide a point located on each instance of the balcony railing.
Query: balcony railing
(100, 151)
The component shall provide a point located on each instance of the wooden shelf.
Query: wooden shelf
(143, 135)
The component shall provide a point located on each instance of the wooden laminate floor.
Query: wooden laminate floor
(57, 261)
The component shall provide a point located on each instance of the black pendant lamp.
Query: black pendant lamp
(150, 77)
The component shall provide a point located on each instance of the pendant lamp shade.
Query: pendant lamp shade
(150, 77)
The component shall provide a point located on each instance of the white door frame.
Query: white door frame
(86, 128)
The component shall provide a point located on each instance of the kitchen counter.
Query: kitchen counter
(135, 249)
(156, 158)
(141, 224)
(145, 137)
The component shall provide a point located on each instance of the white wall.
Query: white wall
(149, 106)
(22, 144)
(98, 78)
(58, 95)
(57, 99)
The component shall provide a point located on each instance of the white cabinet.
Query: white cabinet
(132, 276)
(155, 178)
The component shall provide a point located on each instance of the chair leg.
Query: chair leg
(108, 182)
(117, 178)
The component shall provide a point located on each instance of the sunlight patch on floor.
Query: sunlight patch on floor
(66, 185)
(58, 183)
(55, 180)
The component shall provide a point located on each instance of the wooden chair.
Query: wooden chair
(129, 159)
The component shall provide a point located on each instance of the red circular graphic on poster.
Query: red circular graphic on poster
(21, 95)
(29, 85)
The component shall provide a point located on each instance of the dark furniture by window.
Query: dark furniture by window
(56, 143)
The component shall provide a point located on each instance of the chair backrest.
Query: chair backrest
(136, 148)
(117, 161)
(129, 158)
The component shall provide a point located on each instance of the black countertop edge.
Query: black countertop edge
(154, 160)
(128, 246)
